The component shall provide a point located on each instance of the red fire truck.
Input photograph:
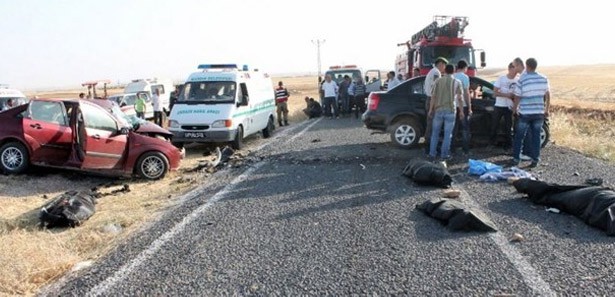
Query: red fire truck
(442, 38)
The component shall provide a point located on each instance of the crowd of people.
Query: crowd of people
(521, 94)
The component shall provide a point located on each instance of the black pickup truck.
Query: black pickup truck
(401, 112)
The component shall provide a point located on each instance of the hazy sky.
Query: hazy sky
(55, 43)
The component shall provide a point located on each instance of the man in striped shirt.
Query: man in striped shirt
(531, 104)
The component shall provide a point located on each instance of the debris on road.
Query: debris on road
(594, 181)
(456, 216)
(427, 173)
(316, 140)
(594, 205)
(124, 189)
(553, 210)
(516, 238)
(452, 193)
(506, 174)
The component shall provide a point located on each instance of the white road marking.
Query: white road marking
(531, 277)
(154, 247)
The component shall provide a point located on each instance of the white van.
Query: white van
(223, 103)
(10, 97)
(150, 85)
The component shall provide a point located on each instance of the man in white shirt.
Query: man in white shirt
(157, 107)
(330, 90)
(503, 88)
(434, 74)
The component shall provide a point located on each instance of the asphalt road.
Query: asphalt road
(322, 209)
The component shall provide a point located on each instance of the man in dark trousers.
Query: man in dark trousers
(281, 99)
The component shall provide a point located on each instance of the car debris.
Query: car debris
(516, 238)
(451, 193)
(553, 210)
(69, 209)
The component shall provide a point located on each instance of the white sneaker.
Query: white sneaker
(525, 158)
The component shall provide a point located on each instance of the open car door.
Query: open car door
(105, 147)
(47, 128)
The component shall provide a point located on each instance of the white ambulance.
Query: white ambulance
(165, 86)
(223, 103)
(10, 97)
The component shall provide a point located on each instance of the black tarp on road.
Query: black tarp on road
(594, 205)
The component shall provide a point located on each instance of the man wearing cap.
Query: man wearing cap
(434, 74)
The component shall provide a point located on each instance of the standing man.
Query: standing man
(157, 107)
(330, 90)
(503, 88)
(140, 105)
(447, 94)
(392, 81)
(463, 124)
(520, 69)
(281, 102)
(434, 74)
(531, 103)
(344, 96)
(360, 92)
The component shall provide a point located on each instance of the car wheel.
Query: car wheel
(268, 131)
(152, 165)
(405, 133)
(544, 134)
(14, 158)
(238, 142)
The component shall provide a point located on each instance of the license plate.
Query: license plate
(194, 135)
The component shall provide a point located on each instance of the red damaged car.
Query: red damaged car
(83, 135)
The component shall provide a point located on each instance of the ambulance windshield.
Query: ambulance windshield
(208, 92)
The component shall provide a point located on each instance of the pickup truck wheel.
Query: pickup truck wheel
(238, 142)
(14, 158)
(268, 131)
(152, 166)
(405, 133)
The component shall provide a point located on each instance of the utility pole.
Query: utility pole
(318, 43)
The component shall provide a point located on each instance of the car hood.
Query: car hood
(151, 128)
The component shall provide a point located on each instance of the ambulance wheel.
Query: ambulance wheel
(238, 142)
(268, 131)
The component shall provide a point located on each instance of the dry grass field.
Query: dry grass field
(583, 113)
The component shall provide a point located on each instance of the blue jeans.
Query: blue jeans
(528, 124)
(328, 103)
(446, 119)
(345, 100)
(464, 125)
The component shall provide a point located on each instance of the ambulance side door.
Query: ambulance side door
(244, 108)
